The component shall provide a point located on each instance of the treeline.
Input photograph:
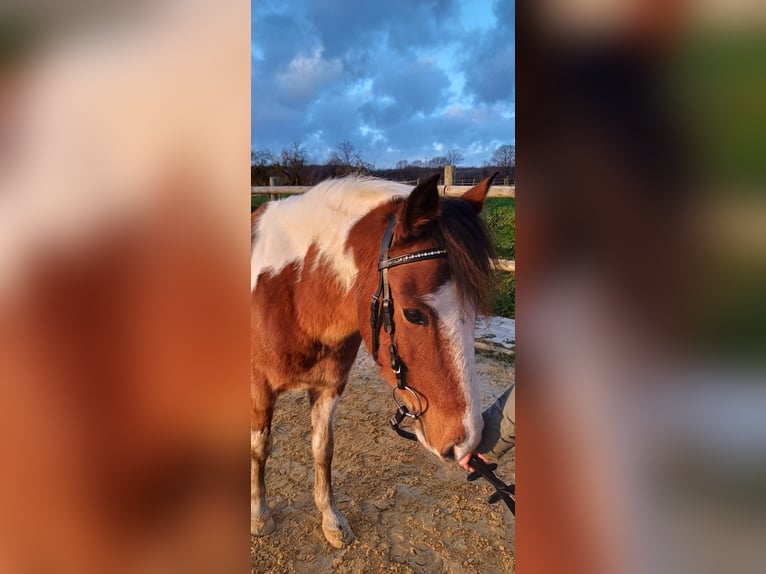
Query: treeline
(292, 166)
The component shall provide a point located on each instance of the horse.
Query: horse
(321, 266)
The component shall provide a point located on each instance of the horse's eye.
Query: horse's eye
(416, 317)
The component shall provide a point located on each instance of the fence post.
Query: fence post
(449, 177)
(273, 182)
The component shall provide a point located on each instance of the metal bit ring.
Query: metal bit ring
(417, 400)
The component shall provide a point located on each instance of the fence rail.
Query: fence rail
(446, 190)
(506, 265)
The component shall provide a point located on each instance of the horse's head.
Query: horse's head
(435, 301)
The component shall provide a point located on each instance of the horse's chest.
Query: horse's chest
(304, 328)
(310, 365)
(294, 354)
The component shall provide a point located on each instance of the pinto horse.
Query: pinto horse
(314, 269)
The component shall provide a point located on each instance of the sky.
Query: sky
(399, 79)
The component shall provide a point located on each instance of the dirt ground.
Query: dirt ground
(410, 512)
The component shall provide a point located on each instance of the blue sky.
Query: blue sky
(400, 79)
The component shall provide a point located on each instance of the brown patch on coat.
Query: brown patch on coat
(303, 330)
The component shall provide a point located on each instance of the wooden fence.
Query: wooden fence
(447, 190)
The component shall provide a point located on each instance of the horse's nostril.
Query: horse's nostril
(448, 453)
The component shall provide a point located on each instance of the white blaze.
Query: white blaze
(456, 325)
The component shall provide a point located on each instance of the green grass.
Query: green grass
(256, 201)
(502, 301)
(500, 215)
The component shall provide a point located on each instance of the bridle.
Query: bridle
(382, 310)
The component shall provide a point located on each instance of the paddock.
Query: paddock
(410, 512)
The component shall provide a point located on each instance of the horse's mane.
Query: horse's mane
(470, 253)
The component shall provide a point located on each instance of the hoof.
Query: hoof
(262, 527)
(339, 538)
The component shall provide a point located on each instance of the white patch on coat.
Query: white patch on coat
(456, 325)
(324, 216)
(423, 439)
(260, 444)
(322, 422)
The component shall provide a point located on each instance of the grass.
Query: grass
(500, 216)
(502, 301)
(256, 201)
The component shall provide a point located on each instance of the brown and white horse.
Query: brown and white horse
(314, 269)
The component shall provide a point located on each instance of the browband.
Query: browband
(411, 258)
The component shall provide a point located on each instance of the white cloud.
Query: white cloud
(305, 76)
(400, 80)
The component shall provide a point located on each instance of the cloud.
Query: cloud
(489, 63)
(394, 78)
(305, 77)
(277, 38)
(402, 25)
(490, 73)
(417, 87)
(476, 131)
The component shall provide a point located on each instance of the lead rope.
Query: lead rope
(504, 492)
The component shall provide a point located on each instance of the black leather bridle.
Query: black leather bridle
(382, 311)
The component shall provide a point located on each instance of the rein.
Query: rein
(382, 311)
(504, 492)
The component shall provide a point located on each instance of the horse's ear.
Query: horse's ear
(478, 193)
(422, 207)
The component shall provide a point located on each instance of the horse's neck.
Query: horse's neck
(325, 309)
(315, 232)
(322, 220)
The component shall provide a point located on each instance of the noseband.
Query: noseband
(382, 311)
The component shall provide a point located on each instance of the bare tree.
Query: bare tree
(262, 157)
(348, 160)
(437, 161)
(504, 157)
(343, 155)
(262, 163)
(454, 157)
(292, 161)
(402, 164)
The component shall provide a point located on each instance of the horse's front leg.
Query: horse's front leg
(261, 522)
(335, 527)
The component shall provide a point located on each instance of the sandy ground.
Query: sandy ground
(410, 512)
